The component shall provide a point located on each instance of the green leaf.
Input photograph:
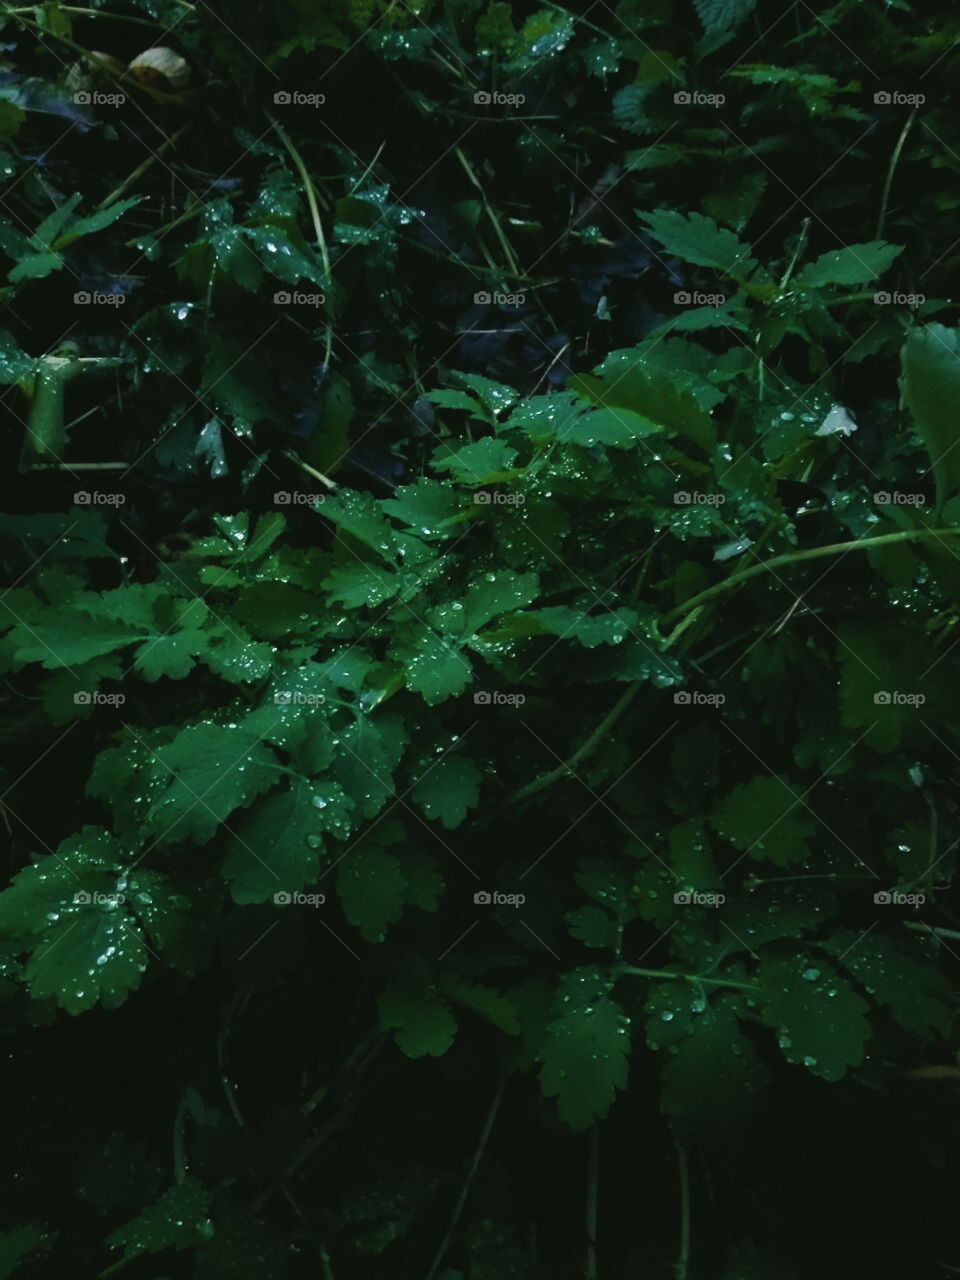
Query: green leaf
(428, 507)
(176, 1220)
(477, 463)
(448, 789)
(421, 1019)
(930, 388)
(820, 1020)
(275, 848)
(95, 222)
(917, 994)
(711, 1077)
(486, 1002)
(371, 886)
(202, 776)
(853, 264)
(695, 238)
(586, 1048)
(723, 15)
(433, 667)
(17, 1243)
(766, 818)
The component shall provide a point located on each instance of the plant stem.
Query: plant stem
(688, 977)
(464, 1190)
(593, 1164)
(908, 125)
(811, 553)
(683, 1260)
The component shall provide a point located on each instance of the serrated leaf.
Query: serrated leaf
(176, 1220)
(372, 887)
(711, 1078)
(820, 1020)
(275, 848)
(202, 776)
(919, 996)
(586, 1048)
(853, 264)
(484, 1001)
(476, 463)
(766, 818)
(698, 239)
(433, 667)
(723, 15)
(448, 789)
(420, 1019)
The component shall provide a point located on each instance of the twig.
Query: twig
(305, 466)
(141, 169)
(464, 1190)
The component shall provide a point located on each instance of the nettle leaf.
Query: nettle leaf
(448, 789)
(821, 1022)
(766, 818)
(853, 264)
(275, 848)
(177, 1220)
(695, 238)
(712, 1076)
(479, 463)
(420, 1018)
(371, 883)
(918, 995)
(930, 387)
(586, 1049)
(428, 507)
(205, 773)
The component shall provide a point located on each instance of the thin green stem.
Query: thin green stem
(795, 557)
(884, 199)
(683, 1259)
(687, 977)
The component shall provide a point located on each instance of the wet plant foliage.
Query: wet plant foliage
(480, 690)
